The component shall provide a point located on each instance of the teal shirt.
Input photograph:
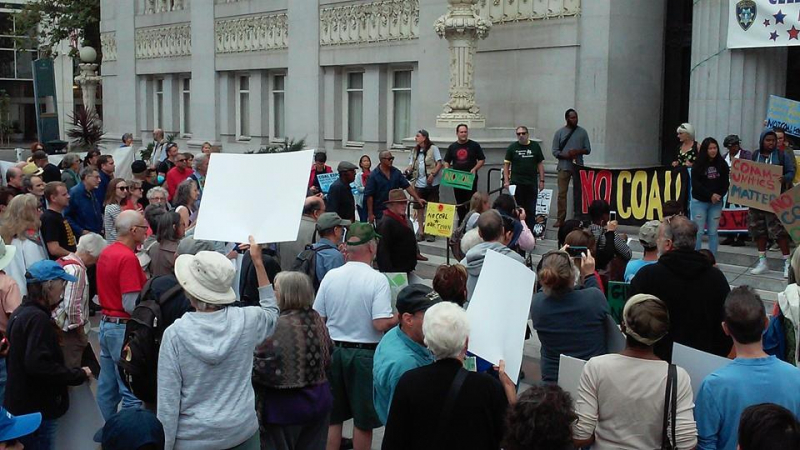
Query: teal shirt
(396, 354)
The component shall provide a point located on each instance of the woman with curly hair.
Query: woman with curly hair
(184, 202)
(540, 420)
(116, 199)
(450, 282)
(20, 228)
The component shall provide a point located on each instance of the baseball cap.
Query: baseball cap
(416, 297)
(132, 428)
(648, 234)
(329, 220)
(14, 427)
(363, 232)
(47, 270)
(139, 166)
(344, 166)
(730, 140)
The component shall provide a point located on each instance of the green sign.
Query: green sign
(397, 281)
(617, 296)
(458, 179)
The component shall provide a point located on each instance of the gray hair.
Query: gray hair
(199, 160)
(87, 171)
(155, 190)
(91, 244)
(681, 231)
(446, 330)
(69, 159)
(127, 136)
(294, 290)
(125, 222)
(182, 194)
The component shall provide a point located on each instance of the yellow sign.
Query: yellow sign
(439, 219)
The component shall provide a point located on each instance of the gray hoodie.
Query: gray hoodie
(473, 261)
(205, 396)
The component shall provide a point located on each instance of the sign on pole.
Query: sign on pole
(458, 179)
(787, 208)
(754, 184)
(784, 113)
(439, 219)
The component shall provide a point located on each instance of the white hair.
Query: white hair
(91, 244)
(126, 220)
(686, 128)
(471, 239)
(199, 160)
(446, 330)
(155, 190)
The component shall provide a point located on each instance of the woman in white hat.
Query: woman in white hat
(205, 394)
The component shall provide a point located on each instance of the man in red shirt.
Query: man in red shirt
(119, 280)
(177, 174)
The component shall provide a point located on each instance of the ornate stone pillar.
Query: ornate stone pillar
(88, 79)
(462, 27)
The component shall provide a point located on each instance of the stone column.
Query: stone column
(729, 89)
(204, 86)
(462, 27)
(303, 80)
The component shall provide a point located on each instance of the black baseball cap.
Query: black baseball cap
(416, 297)
(139, 166)
(132, 428)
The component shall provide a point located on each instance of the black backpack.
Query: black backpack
(306, 262)
(138, 362)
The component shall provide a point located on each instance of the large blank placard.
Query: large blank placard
(499, 310)
(254, 194)
(697, 363)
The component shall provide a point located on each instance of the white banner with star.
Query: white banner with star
(763, 23)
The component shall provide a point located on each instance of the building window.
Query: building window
(401, 90)
(158, 113)
(355, 107)
(243, 107)
(278, 106)
(15, 59)
(186, 85)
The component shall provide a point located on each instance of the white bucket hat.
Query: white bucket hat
(206, 276)
(7, 253)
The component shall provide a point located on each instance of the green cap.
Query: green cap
(363, 232)
(330, 220)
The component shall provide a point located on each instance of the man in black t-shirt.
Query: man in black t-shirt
(340, 195)
(56, 232)
(49, 171)
(466, 155)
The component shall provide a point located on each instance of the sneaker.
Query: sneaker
(761, 267)
(785, 268)
(728, 241)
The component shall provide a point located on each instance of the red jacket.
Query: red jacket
(174, 178)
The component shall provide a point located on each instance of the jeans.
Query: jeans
(526, 196)
(706, 216)
(3, 380)
(362, 213)
(43, 438)
(110, 388)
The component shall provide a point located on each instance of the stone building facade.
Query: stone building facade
(355, 77)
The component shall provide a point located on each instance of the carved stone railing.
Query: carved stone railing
(163, 42)
(108, 44)
(252, 33)
(162, 6)
(219, 2)
(362, 23)
(501, 11)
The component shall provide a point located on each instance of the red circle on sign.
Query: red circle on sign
(441, 207)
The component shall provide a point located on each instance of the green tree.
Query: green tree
(52, 21)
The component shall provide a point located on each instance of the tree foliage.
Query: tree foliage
(289, 145)
(87, 131)
(52, 21)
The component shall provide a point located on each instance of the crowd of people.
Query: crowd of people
(222, 345)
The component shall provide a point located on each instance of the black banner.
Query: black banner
(637, 195)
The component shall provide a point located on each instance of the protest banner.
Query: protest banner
(123, 158)
(617, 296)
(733, 218)
(326, 180)
(497, 330)
(264, 198)
(439, 219)
(637, 195)
(784, 113)
(542, 212)
(754, 184)
(698, 364)
(458, 179)
(569, 374)
(787, 208)
(762, 23)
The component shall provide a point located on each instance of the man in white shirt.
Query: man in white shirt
(355, 302)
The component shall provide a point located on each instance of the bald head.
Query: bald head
(313, 207)
(127, 221)
(490, 226)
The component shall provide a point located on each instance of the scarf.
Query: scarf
(397, 217)
(364, 176)
(296, 355)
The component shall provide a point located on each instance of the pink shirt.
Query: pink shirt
(10, 298)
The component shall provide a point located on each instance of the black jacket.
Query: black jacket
(712, 178)
(37, 376)
(695, 293)
(476, 421)
(340, 200)
(397, 248)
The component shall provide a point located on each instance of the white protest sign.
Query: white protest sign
(253, 194)
(543, 202)
(512, 189)
(569, 374)
(698, 364)
(499, 310)
(123, 158)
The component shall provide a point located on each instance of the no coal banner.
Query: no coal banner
(784, 113)
(439, 219)
(754, 184)
(637, 195)
(787, 208)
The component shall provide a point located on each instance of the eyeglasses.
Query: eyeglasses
(135, 189)
(522, 134)
(122, 188)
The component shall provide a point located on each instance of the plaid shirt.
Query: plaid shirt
(72, 311)
(620, 246)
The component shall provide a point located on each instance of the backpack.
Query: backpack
(138, 362)
(306, 262)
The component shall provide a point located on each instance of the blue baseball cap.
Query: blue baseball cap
(14, 427)
(46, 270)
(130, 429)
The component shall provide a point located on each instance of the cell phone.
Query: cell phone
(576, 252)
(612, 215)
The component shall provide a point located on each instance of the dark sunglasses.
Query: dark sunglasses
(522, 134)
(122, 188)
(391, 158)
